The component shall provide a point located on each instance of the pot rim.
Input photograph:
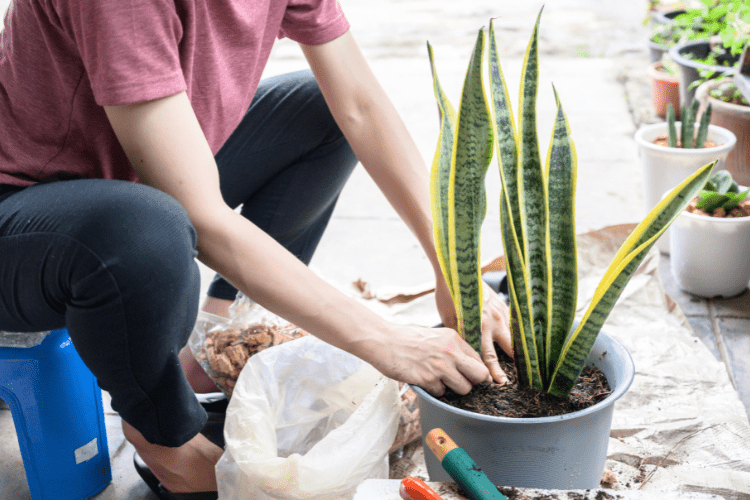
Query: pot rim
(653, 70)
(729, 140)
(657, 45)
(675, 53)
(619, 391)
(663, 16)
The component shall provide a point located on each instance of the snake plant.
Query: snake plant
(688, 113)
(537, 206)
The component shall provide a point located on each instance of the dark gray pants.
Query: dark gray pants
(114, 261)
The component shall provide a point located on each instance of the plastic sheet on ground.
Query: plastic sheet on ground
(681, 427)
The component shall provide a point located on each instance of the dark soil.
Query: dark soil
(512, 493)
(510, 400)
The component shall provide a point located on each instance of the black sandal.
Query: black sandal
(153, 483)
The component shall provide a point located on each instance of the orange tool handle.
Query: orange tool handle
(413, 488)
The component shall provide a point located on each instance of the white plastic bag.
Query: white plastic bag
(222, 346)
(306, 421)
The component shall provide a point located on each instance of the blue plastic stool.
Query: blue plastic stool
(57, 411)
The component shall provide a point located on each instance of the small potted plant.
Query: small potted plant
(730, 111)
(665, 33)
(665, 85)
(710, 240)
(565, 451)
(726, 33)
(669, 153)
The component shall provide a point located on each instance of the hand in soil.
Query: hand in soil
(510, 400)
(431, 358)
(495, 330)
(495, 325)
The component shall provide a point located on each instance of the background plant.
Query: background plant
(537, 222)
(721, 191)
(688, 137)
(727, 91)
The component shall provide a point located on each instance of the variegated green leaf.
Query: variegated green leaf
(472, 154)
(563, 272)
(505, 137)
(532, 192)
(440, 177)
(522, 331)
(628, 258)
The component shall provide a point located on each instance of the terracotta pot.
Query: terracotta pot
(665, 88)
(735, 118)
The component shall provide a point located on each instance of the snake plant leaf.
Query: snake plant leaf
(472, 154)
(688, 125)
(562, 285)
(522, 333)
(626, 261)
(506, 137)
(672, 136)
(700, 139)
(532, 192)
(440, 177)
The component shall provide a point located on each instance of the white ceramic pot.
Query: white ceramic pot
(710, 256)
(664, 167)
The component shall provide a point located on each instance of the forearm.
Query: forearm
(265, 271)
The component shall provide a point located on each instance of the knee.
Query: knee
(136, 230)
(306, 87)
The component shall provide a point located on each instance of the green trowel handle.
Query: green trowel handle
(465, 472)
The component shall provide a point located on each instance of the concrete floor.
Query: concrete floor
(593, 50)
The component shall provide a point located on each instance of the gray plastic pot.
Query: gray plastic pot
(689, 68)
(656, 51)
(563, 452)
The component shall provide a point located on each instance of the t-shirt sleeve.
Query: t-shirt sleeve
(313, 22)
(129, 48)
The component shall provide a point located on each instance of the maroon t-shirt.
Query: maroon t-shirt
(62, 60)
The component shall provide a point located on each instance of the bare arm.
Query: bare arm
(382, 143)
(168, 150)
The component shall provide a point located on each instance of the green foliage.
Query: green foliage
(725, 18)
(668, 65)
(727, 91)
(687, 139)
(729, 20)
(537, 212)
(721, 191)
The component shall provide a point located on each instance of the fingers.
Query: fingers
(495, 329)
(464, 368)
